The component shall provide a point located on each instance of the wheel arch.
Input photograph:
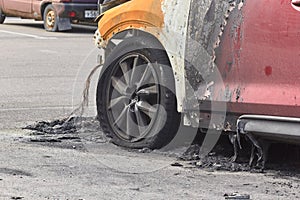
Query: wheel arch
(157, 19)
(131, 15)
(178, 76)
(43, 7)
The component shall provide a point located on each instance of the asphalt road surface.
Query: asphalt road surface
(42, 76)
(39, 70)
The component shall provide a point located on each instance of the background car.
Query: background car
(57, 15)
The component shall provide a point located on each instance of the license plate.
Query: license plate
(91, 13)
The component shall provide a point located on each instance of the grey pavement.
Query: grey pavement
(42, 73)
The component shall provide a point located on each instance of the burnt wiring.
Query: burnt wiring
(85, 94)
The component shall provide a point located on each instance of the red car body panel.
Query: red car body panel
(259, 59)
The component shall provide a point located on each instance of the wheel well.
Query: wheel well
(138, 33)
(132, 33)
(43, 7)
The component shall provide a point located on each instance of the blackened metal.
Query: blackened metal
(108, 4)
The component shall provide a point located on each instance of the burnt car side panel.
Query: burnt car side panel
(259, 59)
(253, 45)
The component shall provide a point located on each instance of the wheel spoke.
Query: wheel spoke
(146, 108)
(116, 101)
(119, 85)
(145, 77)
(131, 126)
(125, 70)
(121, 117)
(141, 122)
(134, 73)
(150, 90)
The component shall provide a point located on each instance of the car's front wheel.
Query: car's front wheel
(135, 95)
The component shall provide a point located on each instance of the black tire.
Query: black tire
(2, 17)
(136, 103)
(50, 19)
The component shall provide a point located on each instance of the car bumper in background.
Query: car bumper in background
(74, 11)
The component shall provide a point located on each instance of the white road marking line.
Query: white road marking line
(29, 35)
(63, 108)
(48, 51)
(37, 108)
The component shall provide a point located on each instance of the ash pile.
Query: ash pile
(67, 133)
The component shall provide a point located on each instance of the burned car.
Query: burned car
(225, 65)
(56, 14)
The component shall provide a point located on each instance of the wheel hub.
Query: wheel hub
(51, 19)
(135, 99)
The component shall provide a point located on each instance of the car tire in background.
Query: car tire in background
(50, 19)
(2, 17)
(136, 103)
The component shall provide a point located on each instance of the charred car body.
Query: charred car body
(229, 65)
(57, 14)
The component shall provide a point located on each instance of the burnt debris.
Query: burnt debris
(69, 133)
(72, 127)
(60, 126)
(281, 157)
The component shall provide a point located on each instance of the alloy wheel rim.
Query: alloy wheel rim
(133, 97)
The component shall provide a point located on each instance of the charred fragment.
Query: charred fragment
(60, 127)
(108, 4)
(259, 128)
(207, 21)
(70, 133)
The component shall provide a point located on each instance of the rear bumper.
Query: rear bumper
(76, 11)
